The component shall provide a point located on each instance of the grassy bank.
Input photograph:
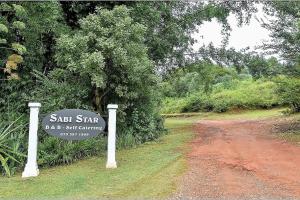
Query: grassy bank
(288, 129)
(233, 114)
(141, 172)
(246, 94)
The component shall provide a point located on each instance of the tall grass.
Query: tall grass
(11, 155)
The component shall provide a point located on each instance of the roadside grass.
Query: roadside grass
(290, 130)
(148, 171)
(293, 136)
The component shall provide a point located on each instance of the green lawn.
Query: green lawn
(150, 170)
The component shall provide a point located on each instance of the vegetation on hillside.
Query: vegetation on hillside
(234, 94)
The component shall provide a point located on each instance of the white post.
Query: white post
(111, 144)
(31, 168)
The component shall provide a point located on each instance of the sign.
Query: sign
(73, 124)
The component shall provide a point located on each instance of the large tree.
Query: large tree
(285, 29)
(170, 24)
(106, 60)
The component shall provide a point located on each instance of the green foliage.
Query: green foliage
(174, 20)
(5, 7)
(3, 28)
(56, 93)
(20, 12)
(11, 150)
(108, 55)
(198, 102)
(247, 94)
(255, 64)
(3, 41)
(34, 34)
(11, 26)
(125, 141)
(21, 49)
(19, 25)
(288, 89)
(284, 28)
(199, 76)
(54, 151)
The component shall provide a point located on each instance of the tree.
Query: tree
(107, 57)
(285, 34)
(43, 25)
(11, 28)
(169, 23)
(285, 29)
(288, 90)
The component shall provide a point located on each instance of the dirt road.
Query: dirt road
(240, 159)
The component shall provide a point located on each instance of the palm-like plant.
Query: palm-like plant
(7, 151)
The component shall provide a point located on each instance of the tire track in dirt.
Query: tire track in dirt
(240, 159)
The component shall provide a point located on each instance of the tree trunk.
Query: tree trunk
(98, 101)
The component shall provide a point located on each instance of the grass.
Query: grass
(149, 171)
(289, 132)
(291, 136)
(235, 114)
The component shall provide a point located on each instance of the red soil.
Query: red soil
(240, 159)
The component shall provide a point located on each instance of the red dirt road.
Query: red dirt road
(240, 159)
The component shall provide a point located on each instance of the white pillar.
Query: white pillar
(31, 168)
(111, 144)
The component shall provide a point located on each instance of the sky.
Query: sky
(240, 37)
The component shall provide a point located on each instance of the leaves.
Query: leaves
(3, 28)
(3, 41)
(13, 76)
(8, 153)
(15, 58)
(20, 12)
(19, 25)
(12, 64)
(21, 49)
(5, 7)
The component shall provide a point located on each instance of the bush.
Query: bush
(199, 102)
(173, 105)
(288, 90)
(12, 153)
(54, 151)
(246, 95)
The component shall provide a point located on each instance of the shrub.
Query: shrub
(54, 151)
(288, 90)
(198, 102)
(247, 95)
(173, 105)
(11, 147)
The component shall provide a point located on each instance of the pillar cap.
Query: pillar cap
(112, 106)
(34, 104)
